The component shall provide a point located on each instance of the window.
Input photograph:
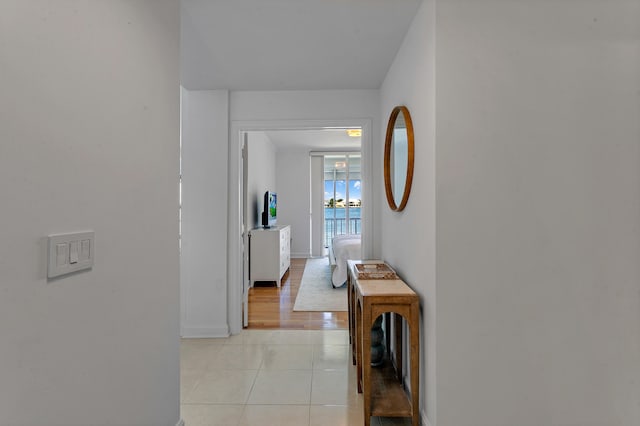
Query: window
(342, 195)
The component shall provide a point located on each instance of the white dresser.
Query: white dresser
(269, 253)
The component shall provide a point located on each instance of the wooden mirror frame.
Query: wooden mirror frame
(387, 158)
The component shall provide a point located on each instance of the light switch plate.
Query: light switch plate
(70, 253)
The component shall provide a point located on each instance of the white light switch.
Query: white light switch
(85, 250)
(73, 251)
(62, 251)
(70, 253)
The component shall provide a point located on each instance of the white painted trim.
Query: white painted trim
(424, 418)
(366, 149)
(300, 255)
(204, 332)
(180, 423)
(234, 217)
(183, 290)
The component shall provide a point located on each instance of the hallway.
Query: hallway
(288, 368)
(272, 377)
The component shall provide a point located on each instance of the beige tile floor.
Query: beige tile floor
(272, 378)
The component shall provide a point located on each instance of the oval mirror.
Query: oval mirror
(398, 158)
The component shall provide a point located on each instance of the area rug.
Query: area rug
(316, 292)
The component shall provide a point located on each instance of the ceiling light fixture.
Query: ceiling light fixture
(354, 133)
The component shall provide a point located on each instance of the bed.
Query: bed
(343, 248)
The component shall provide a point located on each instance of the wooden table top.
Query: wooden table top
(379, 287)
(371, 288)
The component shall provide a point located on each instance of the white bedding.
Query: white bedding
(344, 247)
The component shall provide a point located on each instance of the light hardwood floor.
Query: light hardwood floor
(272, 307)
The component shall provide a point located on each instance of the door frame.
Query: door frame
(235, 274)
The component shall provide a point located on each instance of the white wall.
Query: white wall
(205, 130)
(303, 104)
(261, 171)
(308, 106)
(294, 197)
(89, 128)
(408, 237)
(538, 213)
(535, 161)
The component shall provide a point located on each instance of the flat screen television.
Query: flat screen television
(269, 214)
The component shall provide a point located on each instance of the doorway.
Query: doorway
(238, 282)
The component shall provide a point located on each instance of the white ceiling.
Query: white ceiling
(291, 44)
(313, 140)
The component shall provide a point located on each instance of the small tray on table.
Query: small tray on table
(375, 271)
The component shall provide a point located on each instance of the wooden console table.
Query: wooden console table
(384, 394)
(351, 298)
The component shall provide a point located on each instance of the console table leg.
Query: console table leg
(415, 363)
(365, 326)
(358, 345)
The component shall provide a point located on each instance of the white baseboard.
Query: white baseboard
(424, 418)
(180, 423)
(204, 332)
(297, 255)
